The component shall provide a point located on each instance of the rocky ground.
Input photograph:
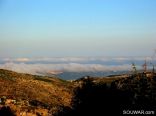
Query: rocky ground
(32, 94)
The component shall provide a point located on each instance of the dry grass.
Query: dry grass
(53, 92)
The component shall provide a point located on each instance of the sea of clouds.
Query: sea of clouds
(71, 64)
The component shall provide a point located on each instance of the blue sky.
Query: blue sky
(54, 28)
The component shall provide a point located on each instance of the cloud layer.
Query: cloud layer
(69, 64)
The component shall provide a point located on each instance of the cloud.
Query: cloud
(92, 60)
(16, 59)
(69, 67)
(69, 64)
(22, 59)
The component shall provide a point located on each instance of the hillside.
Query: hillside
(32, 95)
(115, 96)
(34, 91)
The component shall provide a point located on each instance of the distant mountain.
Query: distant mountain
(77, 75)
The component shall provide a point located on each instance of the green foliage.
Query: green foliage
(42, 79)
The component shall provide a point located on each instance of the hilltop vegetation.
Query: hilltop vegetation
(35, 91)
(113, 96)
(34, 95)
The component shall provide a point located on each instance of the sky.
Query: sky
(64, 28)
